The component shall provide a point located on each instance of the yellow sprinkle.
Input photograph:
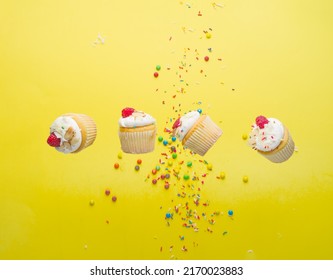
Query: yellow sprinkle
(208, 35)
(209, 166)
(120, 155)
(245, 179)
(244, 136)
(222, 175)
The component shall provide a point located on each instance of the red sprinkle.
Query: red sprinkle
(155, 74)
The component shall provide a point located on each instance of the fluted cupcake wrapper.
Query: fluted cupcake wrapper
(283, 154)
(88, 129)
(137, 142)
(203, 136)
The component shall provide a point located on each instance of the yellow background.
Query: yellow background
(276, 60)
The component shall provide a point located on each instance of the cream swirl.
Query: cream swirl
(268, 137)
(68, 131)
(185, 123)
(136, 119)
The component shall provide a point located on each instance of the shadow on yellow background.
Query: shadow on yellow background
(96, 57)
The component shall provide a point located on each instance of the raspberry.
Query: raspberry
(53, 141)
(176, 124)
(261, 121)
(127, 112)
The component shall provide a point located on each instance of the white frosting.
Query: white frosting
(72, 141)
(137, 119)
(186, 123)
(267, 138)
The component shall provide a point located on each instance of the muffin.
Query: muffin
(71, 133)
(270, 138)
(137, 131)
(197, 132)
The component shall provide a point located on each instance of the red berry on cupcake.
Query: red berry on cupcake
(53, 141)
(261, 121)
(176, 124)
(127, 112)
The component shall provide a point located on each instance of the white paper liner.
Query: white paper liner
(283, 154)
(203, 137)
(87, 126)
(137, 142)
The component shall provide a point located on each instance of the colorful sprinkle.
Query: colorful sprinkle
(120, 155)
(165, 142)
(174, 155)
(230, 213)
(160, 138)
(92, 202)
(189, 164)
(155, 74)
(116, 165)
(200, 111)
(208, 35)
(107, 192)
(114, 198)
(186, 177)
(173, 138)
(206, 58)
(209, 166)
(222, 175)
(158, 67)
(139, 161)
(154, 181)
(245, 179)
(137, 167)
(244, 136)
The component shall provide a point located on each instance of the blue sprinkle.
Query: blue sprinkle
(173, 138)
(165, 142)
(230, 212)
(200, 111)
(168, 215)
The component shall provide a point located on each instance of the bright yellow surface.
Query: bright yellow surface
(276, 60)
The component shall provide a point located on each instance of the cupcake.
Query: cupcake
(271, 139)
(71, 133)
(197, 132)
(137, 131)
